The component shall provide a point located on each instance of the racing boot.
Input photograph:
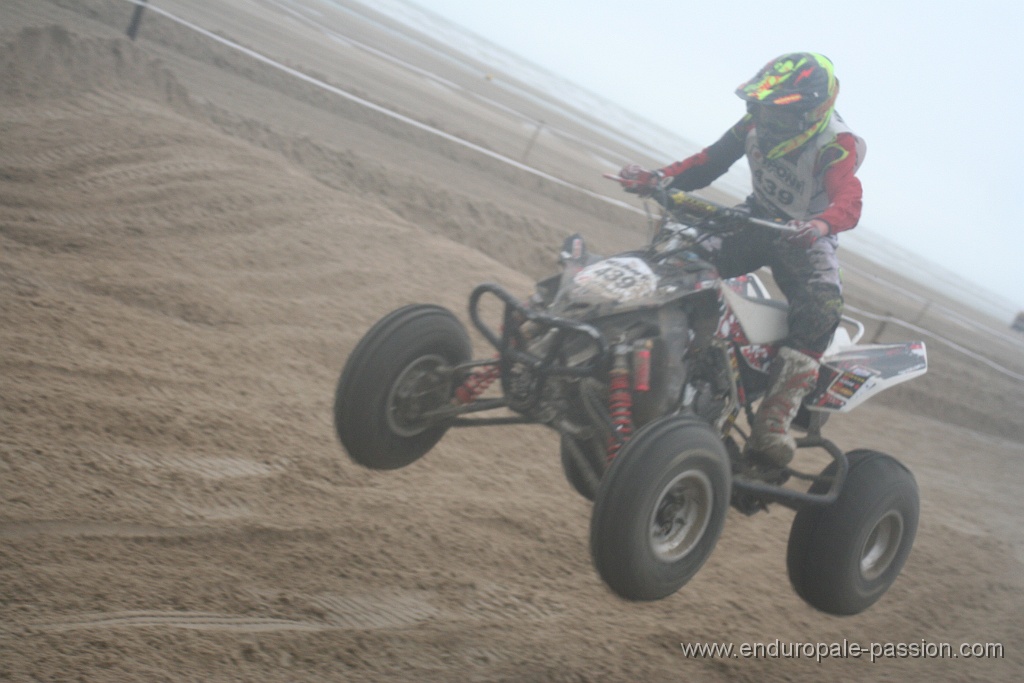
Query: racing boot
(793, 376)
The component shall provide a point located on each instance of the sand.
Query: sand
(191, 243)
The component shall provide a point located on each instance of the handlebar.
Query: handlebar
(673, 199)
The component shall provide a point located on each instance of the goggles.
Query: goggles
(777, 121)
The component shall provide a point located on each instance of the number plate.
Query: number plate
(621, 278)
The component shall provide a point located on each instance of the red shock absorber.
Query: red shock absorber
(642, 366)
(476, 384)
(620, 407)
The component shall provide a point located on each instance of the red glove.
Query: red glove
(807, 232)
(638, 180)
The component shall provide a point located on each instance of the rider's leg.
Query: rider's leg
(810, 280)
(793, 376)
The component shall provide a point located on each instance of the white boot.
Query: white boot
(794, 375)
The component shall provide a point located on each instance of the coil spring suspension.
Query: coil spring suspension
(620, 409)
(476, 384)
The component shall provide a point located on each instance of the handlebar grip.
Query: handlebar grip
(683, 200)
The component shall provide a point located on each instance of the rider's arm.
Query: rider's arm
(838, 161)
(703, 168)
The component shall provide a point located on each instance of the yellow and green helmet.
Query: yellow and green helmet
(791, 100)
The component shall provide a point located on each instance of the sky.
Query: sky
(932, 86)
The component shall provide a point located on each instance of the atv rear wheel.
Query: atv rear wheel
(660, 508)
(398, 371)
(844, 557)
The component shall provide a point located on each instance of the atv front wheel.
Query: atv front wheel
(400, 370)
(660, 508)
(844, 557)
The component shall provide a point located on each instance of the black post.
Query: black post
(529, 145)
(920, 316)
(881, 328)
(133, 27)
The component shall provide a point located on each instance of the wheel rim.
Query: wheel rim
(420, 388)
(681, 515)
(881, 546)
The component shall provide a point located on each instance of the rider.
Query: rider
(803, 161)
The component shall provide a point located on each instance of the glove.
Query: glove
(807, 232)
(638, 180)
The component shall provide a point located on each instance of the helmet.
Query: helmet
(791, 100)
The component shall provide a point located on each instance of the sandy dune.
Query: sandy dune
(190, 245)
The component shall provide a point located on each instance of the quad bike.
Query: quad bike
(642, 362)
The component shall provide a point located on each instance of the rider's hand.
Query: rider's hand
(639, 180)
(806, 233)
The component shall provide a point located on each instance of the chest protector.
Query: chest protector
(789, 187)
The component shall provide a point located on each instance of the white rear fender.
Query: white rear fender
(852, 375)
